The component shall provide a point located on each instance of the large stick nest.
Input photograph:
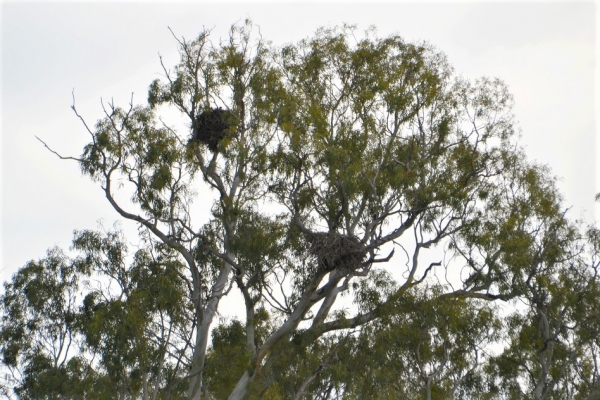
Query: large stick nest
(336, 251)
(212, 126)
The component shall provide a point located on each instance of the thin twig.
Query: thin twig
(57, 154)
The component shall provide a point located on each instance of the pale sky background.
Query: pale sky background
(547, 53)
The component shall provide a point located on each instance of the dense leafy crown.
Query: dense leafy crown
(386, 236)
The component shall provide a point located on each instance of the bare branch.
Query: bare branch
(57, 154)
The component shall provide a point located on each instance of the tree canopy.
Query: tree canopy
(387, 234)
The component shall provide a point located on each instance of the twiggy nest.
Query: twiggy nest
(212, 126)
(336, 251)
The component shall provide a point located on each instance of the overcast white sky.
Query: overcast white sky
(545, 51)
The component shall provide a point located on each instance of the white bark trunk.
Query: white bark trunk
(198, 357)
(545, 358)
(288, 326)
(206, 317)
(145, 385)
(240, 389)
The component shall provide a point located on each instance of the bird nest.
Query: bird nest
(336, 251)
(212, 126)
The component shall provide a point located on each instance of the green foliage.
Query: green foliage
(38, 322)
(66, 339)
(465, 280)
(227, 359)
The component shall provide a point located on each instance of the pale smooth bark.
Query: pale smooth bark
(206, 316)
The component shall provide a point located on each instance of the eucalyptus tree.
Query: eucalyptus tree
(93, 326)
(552, 350)
(38, 317)
(343, 168)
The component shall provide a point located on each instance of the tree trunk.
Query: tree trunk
(198, 357)
(545, 358)
(145, 385)
(428, 387)
(285, 329)
(240, 389)
(205, 317)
